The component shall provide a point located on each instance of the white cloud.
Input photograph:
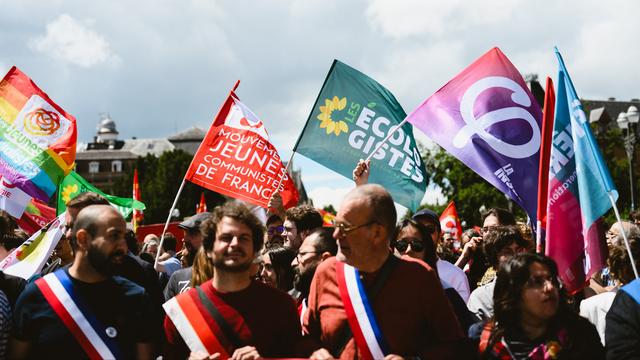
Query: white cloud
(324, 196)
(400, 19)
(74, 41)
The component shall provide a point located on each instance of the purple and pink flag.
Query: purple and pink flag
(579, 190)
(488, 119)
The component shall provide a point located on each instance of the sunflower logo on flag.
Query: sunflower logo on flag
(67, 191)
(326, 122)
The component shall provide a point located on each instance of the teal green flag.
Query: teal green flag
(74, 184)
(353, 113)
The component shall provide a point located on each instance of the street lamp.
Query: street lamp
(629, 121)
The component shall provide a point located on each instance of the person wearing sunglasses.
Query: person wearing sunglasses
(273, 235)
(414, 240)
(532, 318)
(448, 272)
(406, 299)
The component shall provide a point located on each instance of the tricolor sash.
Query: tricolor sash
(362, 321)
(202, 325)
(96, 340)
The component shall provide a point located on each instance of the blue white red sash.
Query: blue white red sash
(362, 321)
(96, 340)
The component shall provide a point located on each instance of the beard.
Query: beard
(102, 263)
(302, 280)
(219, 264)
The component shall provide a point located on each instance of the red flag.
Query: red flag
(35, 216)
(202, 206)
(236, 158)
(137, 216)
(327, 218)
(449, 221)
(545, 155)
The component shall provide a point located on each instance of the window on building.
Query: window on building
(116, 166)
(94, 167)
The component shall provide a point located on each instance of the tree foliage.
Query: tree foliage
(160, 180)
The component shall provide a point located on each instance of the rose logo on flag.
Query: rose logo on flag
(253, 125)
(41, 122)
(326, 122)
(478, 126)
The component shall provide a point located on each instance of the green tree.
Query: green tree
(468, 190)
(160, 180)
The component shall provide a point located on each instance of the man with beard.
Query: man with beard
(231, 314)
(316, 248)
(83, 311)
(299, 222)
(367, 303)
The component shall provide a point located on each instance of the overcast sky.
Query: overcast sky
(162, 66)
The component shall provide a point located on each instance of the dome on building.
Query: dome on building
(107, 125)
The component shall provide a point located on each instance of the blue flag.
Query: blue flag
(579, 184)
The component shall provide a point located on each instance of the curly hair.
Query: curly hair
(499, 237)
(237, 212)
(305, 217)
(620, 263)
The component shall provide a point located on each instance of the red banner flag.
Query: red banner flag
(202, 206)
(137, 216)
(449, 221)
(237, 159)
(35, 216)
(327, 218)
(545, 157)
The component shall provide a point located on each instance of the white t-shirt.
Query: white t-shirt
(454, 277)
(481, 300)
(595, 310)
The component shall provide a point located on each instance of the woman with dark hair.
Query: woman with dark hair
(532, 319)
(414, 240)
(276, 267)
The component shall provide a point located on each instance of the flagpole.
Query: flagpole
(285, 171)
(395, 128)
(624, 234)
(166, 224)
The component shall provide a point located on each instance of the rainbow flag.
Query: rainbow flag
(37, 137)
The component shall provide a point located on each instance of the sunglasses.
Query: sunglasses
(538, 282)
(275, 229)
(403, 245)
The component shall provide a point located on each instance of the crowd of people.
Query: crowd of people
(367, 287)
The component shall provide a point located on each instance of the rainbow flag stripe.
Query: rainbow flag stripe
(37, 137)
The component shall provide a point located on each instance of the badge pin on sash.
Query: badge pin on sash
(111, 332)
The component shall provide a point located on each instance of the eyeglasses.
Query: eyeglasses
(486, 229)
(538, 282)
(275, 229)
(403, 245)
(300, 254)
(345, 229)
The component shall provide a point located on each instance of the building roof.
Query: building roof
(105, 155)
(142, 147)
(611, 107)
(193, 133)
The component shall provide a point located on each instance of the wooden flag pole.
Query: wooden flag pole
(624, 234)
(166, 224)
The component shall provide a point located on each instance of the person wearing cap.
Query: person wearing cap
(450, 275)
(406, 301)
(192, 237)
